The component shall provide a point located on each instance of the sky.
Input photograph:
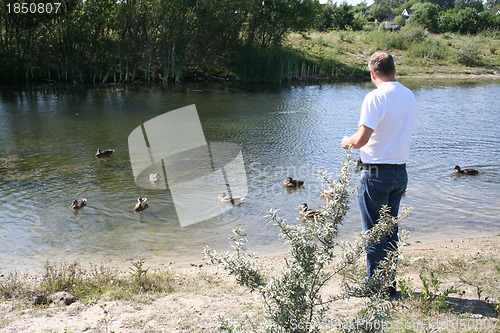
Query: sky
(351, 2)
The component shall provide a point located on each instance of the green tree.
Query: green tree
(122, 40)
(270, 20)
(381, 12)
(326, 21)
(342, 17)
(389, 3)
(427, 15)
(460, 20)
(491, 4)
(97, 22)
(476, 4)
(66, 37)
(175, 19)
(444, 4)
(489, 21)
(216, 31)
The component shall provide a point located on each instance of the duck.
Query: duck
(359, 164)
(142, 204)
(465, 171)
(223, 197)
(104, 153)
(154, 177)
(326, 194)
(290, 182)
(307, 213)
(77, 204)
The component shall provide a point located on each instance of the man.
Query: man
(383, 137)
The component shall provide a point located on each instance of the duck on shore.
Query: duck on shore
(142, 204)
(290, 182)
(465, 171)
(223, 197)
(307, 213)
(77, 204)
(104, 153)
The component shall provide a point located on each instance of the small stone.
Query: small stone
(61, 297)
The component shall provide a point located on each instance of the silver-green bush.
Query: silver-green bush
(293, 297)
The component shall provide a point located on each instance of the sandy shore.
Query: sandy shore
(210, 300)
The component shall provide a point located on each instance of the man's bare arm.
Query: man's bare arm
(358, 139)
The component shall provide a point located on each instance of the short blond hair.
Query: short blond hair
(382, 63)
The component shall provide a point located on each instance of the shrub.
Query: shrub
(399, 40)
(469, 55)
(385, 40)
(413, 33)
(492, 48)
(399, 20)
(14, 285)
(431, 49)
(293, 297)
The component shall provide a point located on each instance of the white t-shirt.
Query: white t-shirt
(390, 110)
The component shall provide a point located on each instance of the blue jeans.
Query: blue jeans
(380, 185)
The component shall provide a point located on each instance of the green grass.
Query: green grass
(447, 292)
(89, 285)
(417, 52)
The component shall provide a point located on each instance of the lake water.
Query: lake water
(49, 135)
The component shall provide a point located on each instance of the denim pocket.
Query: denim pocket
(380, 181)
(380, 186)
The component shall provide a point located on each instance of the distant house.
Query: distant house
(407, 13)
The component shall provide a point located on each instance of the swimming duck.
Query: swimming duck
(326, 194)
(359, 164)
(307, 213)
(154, 177)
(104, 153)
(290, 182)
(142, 204)
(223, 197)
(465, 171)
(77, 204)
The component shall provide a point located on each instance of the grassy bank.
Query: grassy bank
(443, 284)
(418, 53)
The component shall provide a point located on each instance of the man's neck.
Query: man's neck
(378, 81)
